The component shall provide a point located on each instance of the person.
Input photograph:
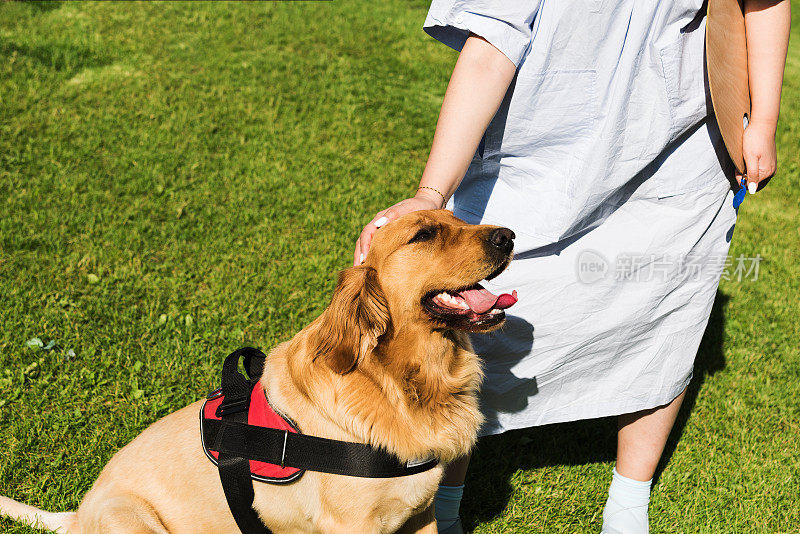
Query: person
(585, 127)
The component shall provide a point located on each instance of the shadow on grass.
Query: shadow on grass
(43, 5)
(61, 57)
(497, 458)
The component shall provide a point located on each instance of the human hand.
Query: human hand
(760, 157)
(421, 201)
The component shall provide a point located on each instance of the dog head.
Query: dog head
(422, 270)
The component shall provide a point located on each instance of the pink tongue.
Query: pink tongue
(481, 300)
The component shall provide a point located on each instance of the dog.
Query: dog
(388, 363)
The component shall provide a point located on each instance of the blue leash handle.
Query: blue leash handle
(738, 198)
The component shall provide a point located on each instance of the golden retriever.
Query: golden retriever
(388, 363)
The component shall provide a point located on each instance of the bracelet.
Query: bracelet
(444, 200)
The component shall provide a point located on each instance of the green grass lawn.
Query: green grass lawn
(178, 180)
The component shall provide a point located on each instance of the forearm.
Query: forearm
(767, 25)
(480, 80)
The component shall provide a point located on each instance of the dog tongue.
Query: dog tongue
(482, 300)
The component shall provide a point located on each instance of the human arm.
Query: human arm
(767, 25)
(479, 81)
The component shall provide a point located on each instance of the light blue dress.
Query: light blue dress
(604, 160)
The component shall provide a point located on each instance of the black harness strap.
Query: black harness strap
(234, 470)
(278, 447)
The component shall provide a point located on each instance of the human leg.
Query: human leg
(448, 498)
(640, 442)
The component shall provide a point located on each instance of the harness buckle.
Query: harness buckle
(283, 454)
(231, 406)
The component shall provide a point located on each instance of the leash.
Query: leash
(238, 442)
(738, 197)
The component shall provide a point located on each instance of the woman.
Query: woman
(584, 127)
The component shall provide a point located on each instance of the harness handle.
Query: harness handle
(234, 470)
(235, 387)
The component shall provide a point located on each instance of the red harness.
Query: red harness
(248, 440)
(261, 413)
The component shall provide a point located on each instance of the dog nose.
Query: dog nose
(502, 238)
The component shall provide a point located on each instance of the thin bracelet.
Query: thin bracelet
(444, 200)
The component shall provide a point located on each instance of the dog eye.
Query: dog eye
(424, 234)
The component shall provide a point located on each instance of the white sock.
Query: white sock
(626, 507)
(446, 505)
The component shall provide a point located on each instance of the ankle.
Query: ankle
(627, 506)
(636, 473)
(635, 492)
(447, 504)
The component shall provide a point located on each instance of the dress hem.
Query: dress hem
(608, 409)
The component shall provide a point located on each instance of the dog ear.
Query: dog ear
(356, 317)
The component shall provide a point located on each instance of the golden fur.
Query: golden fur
(373, 368)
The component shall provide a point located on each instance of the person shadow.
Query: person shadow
(497, 458)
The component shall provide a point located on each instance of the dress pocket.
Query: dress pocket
(683, 63)
(535, 147)
(551, 119)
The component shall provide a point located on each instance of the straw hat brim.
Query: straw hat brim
(726, 63)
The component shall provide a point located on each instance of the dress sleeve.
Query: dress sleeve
(506, 24)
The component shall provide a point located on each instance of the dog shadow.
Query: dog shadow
(497, 458)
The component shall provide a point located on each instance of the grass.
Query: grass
(177, 180)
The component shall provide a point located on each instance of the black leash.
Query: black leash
(238, 443)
